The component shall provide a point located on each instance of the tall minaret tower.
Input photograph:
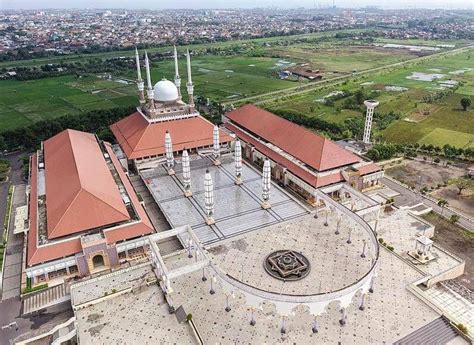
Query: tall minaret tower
(190, 85)
(370, 104)
(149, 90)
(140, 83)
(177, 78)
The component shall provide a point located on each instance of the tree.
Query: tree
(461, 183)
(442, 203)
(454, 219)
(465, 103)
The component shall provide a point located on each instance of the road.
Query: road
(407, 196)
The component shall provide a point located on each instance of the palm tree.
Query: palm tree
(442, 203)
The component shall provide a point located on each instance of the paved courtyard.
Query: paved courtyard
(391, 312)
(400, 230)
(334, 263)
(139, 317)
(237, 209)
(95, 288)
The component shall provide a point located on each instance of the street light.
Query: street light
(213, 280)
(227, 308)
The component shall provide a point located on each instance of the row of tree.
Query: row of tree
(29, 137)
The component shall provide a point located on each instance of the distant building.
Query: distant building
(305, 72)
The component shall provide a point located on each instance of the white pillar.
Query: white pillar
(266, 184)
(190, 86)
(238, 162)
(216, 145)
(150, 92)
(370, 104)
(140, 84)
(186, 174)
(169, 153)
(177, 78)
(209, 198)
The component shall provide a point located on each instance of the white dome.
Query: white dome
(165, 91)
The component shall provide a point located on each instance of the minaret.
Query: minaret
(370, 104)
(238, 162)
(149, 90)
(169, 153)
(177, 78)
(140, 85)
(190, 85)
(266, 184)
(186, 174)
(217, 149)
(209, 198)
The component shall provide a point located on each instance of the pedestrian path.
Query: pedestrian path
(45, 298)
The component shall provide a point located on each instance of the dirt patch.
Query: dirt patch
(424, 173)
(459, 242)
(463, 203)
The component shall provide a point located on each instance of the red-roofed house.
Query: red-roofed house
(300, 158)
(82, 209)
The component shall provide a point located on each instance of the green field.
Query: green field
(24, 102)
(229, 78)
(454, 138)
(221, 78)
(337, 59)
(439, 122)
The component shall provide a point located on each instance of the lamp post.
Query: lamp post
(213, 280)
(349, 241)
(227, 307)
(363, 249)
(252, 317)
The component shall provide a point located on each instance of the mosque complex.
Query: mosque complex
(254, 231)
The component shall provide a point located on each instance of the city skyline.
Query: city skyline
(219, 4)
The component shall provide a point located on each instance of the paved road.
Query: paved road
(409, 197)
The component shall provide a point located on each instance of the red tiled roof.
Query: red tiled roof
(369, 168)
(315, 151)
(139, 138)
(303, 174)
(58, 249)
(78, 183)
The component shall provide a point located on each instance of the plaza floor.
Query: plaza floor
(139, 317)
(334, 263)
(391, 313)
(237, 208)
(400, 230)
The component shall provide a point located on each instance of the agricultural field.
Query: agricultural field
(221, 78)
(334, 60)
(411, 92)
(25, 102)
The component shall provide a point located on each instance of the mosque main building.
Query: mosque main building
(181, 215)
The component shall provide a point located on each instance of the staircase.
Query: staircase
(45, 298)
(438, 331)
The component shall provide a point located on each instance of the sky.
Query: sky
(197, 4)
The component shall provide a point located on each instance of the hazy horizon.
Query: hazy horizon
(220, 4)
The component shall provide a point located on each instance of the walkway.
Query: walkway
(45, 298)
(14, 251)
(409, 197)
